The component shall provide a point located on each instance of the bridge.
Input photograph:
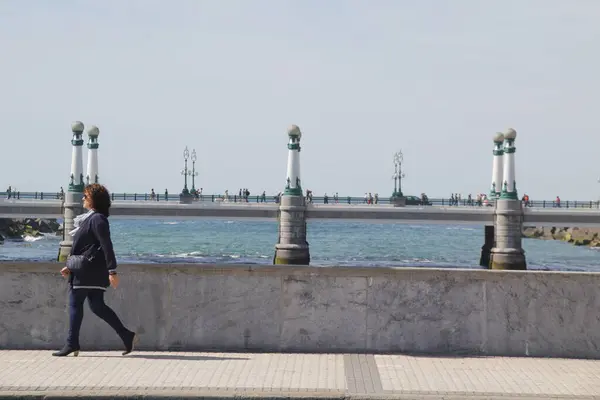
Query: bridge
(466, 215)
(502, 212)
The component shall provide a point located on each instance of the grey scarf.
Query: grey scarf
(79, 220)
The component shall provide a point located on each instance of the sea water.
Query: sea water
(332, 243)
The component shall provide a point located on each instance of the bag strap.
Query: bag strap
(90, 255)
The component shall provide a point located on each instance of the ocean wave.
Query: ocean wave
(28, 238)
(193, 254)
(181, 259)
(198, 255)
(42, 236)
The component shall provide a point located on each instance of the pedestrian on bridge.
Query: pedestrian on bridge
(91, 268)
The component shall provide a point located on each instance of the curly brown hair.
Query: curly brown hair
(99, 198)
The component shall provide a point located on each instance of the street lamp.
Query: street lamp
(194, 173)
(398, 175)
(185, 172)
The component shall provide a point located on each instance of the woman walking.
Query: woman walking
(90, 278)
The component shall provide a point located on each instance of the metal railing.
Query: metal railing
(347, 200)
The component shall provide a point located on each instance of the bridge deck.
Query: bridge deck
(374, 213)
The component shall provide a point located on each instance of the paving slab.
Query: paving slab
(185, 375)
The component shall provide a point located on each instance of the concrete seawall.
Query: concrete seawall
(310, 309)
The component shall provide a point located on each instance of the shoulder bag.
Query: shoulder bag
(78, 263)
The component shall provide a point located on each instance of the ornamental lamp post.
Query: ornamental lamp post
(185, 172)
(398, 175)
(194, 173)
(398, 199)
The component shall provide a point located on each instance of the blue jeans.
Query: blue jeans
(96, 301)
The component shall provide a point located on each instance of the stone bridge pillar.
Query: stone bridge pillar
(292, 247)
(508, 216)
(73, 197)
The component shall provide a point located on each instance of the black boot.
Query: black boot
(65, 351)
(129, 340)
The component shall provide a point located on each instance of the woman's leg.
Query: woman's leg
(99, 307)
(76, 300)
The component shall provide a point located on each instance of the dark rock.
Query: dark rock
(18, 228)
(533, 232)
(562, 234)
(581, 242)
(576, 236)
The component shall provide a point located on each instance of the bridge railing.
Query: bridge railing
(346, 200)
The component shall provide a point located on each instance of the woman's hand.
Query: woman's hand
(114, 280)
(65, 272)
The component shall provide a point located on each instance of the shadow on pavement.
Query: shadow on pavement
(170, 357)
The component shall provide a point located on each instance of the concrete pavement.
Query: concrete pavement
(35, 374)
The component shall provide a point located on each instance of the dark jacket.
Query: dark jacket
(94, 232)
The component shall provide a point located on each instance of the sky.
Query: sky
(362, 79)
